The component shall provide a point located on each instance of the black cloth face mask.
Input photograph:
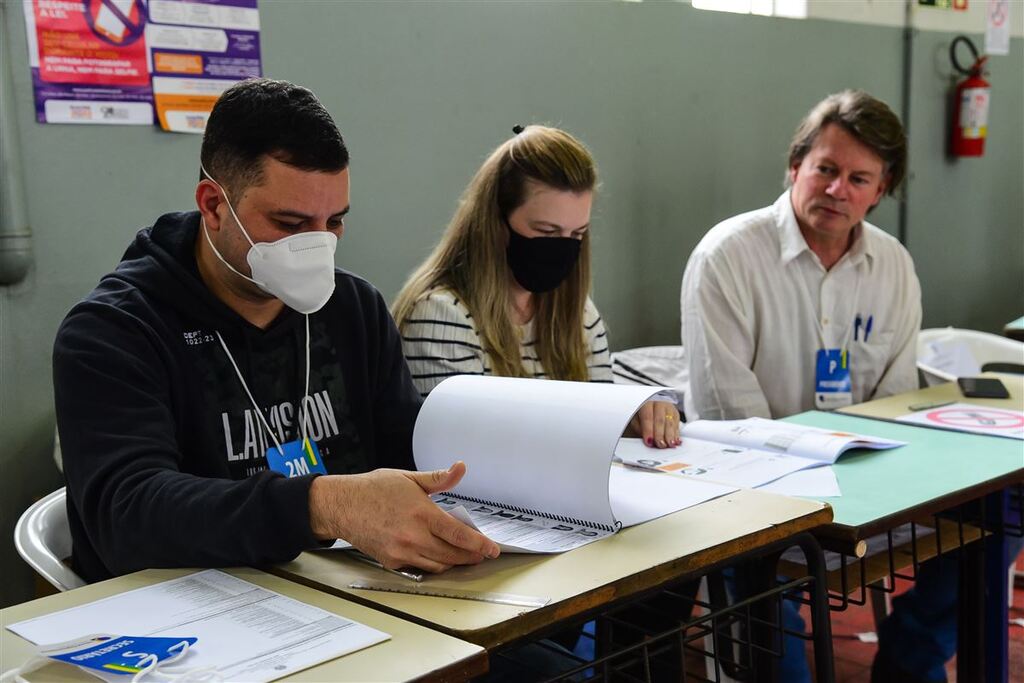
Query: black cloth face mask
(540, 264)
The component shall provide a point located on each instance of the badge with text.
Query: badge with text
(299, 457)
(832, 387)
(116, 654)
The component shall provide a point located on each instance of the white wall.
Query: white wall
(925, 18)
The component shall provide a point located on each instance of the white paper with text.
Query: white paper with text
(245, 632)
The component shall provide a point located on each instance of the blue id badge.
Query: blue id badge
(832, 388)
(300, 457)
(116, 654)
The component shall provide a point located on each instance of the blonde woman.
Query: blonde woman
(506, 292)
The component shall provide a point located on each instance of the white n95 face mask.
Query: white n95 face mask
(298, 269)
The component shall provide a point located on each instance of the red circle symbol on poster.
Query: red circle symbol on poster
(976, 418)
(118, 22)
(998, 12)
(101, 44)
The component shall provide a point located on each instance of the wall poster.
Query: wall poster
(138, 61)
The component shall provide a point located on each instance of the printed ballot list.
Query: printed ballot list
(244, 632)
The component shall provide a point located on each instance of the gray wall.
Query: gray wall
(687, 112)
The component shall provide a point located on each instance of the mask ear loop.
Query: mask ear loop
(148, 664)
(227, 200)
(158, 669)
(238, 222)
(224, 260)
(16, 675)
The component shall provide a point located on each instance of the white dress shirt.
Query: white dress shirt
(757, 305)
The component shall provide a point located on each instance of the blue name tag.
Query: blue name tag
(299, 458)
(115, 654)
(832, 388)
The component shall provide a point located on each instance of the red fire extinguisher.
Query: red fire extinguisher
(970, 104)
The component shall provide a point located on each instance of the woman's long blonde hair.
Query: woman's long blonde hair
(470, 259)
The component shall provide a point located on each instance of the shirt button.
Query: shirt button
(824, 321)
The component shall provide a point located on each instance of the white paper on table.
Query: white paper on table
(823, 445)
(639, 496)
(818, 482)
(711, 461)
(531, 445)
(246, 632)
(965, 417)
(522, 533)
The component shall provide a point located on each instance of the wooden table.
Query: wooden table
(632, 562)
(412, 653)
(894, 406)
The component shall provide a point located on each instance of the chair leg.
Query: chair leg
(712, 590)
(880, 602)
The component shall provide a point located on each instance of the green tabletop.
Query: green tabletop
(879, 486)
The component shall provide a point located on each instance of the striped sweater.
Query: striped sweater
(440, 340)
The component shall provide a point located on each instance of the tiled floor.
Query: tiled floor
(853, 657)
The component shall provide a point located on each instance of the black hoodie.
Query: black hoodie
(163, 454)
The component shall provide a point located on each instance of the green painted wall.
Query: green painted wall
(687, 112)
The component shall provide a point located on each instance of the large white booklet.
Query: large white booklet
(747, 453)
(539, 461)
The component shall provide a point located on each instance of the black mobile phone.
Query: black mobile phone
(982, 387)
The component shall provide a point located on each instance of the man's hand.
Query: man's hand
(657, 423)
(388, 515)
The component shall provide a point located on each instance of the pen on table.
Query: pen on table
(645, 465)
(415, 576)
(867, 327)
(929, 406)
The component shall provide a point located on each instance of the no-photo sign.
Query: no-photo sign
(969, 418)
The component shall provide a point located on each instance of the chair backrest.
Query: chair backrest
(650, 366)
(654, 366)
(43, 540)
(970, 347)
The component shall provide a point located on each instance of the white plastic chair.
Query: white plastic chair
(945, 353)
(650, 366)
(43, 540)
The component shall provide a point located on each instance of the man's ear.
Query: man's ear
(208, 200)
(882, 187)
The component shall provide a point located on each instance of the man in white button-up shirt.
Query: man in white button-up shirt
(766, 290)
(771, 296)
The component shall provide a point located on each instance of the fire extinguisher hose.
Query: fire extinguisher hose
(979, 60)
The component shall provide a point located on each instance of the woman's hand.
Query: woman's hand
(657, 423)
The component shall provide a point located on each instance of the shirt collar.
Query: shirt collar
(792, 242)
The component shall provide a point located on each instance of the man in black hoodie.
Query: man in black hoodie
(226, 396)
